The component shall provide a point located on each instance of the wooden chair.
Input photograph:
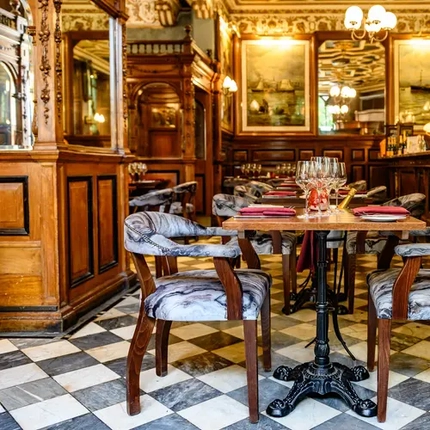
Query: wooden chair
(158, 200)
(222, 294)
(184, 200)
(375, 243)
(276, 242)
(395, 294)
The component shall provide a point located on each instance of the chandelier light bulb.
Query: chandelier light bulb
(377, 19)
(344, 109)
(227, 82)
(376, 13)
(334, 91)
(389, 21)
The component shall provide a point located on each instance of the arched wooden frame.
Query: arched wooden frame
(322, 36)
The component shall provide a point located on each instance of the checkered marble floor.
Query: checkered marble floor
(77, 383)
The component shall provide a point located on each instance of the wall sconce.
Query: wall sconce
(96, 119)
(377, 19)
(229, 86)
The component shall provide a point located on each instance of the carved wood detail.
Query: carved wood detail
(45, 66)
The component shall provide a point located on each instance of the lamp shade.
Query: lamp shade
(227, 82)
(389, 21)
(376, 13)
(233, 86)
(426, 128)
(353, 17)
(334, 91)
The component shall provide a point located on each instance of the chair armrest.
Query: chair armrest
(413, 250)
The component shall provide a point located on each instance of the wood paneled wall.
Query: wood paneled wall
(61, 240)
(360, 153)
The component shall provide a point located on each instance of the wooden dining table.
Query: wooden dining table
(321, 376)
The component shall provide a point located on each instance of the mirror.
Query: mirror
(86, 77)
(155, 129)
(16, 79)
(91, 89)
(351, 87)
(8, 108)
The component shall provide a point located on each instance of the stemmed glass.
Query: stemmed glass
(339, 180)
(321, 178)
(304, 179)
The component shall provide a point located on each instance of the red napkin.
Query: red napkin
(279, 212)
(380, 210)
(345, 192)
(253, 210)
(280, 193)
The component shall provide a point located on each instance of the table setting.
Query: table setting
(319, 176)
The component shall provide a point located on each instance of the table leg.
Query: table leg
(321, 376)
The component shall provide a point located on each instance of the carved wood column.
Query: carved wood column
(48, 75)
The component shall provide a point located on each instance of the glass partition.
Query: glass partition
(8, 108)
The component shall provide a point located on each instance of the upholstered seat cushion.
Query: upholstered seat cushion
(198, 295)
(381, 290)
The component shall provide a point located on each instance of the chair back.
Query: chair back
(360, 185)
(413, 202)
(185, 193)
(151, 233)
(227, 205)
(158, 200)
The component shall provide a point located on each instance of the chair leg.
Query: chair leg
(293, 273)
(371, 335)
(266, 334)
(158, 267)
(250, 332)
(139, 343)
(350, 267)
(286, 269)
(161, 346)
(384, 332)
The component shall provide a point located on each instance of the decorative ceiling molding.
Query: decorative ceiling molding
(142, 13)
(168, 11)
(307, 21)
(83, 17)
(204, 9)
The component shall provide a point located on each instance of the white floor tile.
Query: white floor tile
(398, 415)
(181, 350)
(309, 413)
(91, 328)
(20, 375)
(125, 333)
(192, 331)
(116, 416)
(227, 379)
(298, 352)
(394, 379)
(48, 412)
(7, 346)
(110, 352)
(149, 381)
(216, 413)
(50, 350)
(86, 377)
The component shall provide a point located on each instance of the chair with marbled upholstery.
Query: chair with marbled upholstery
(378, 243)
(184, 205)
(283, 243)
(395, 294)
(220, 294)
(157, 200)
(360, 185)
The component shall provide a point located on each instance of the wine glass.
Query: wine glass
(340, 180)
(321, 178)
(304, 173)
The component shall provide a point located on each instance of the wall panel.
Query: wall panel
(107, 221)
(80, 229)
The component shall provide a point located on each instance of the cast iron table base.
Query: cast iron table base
(321, 376)
(310, 378)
